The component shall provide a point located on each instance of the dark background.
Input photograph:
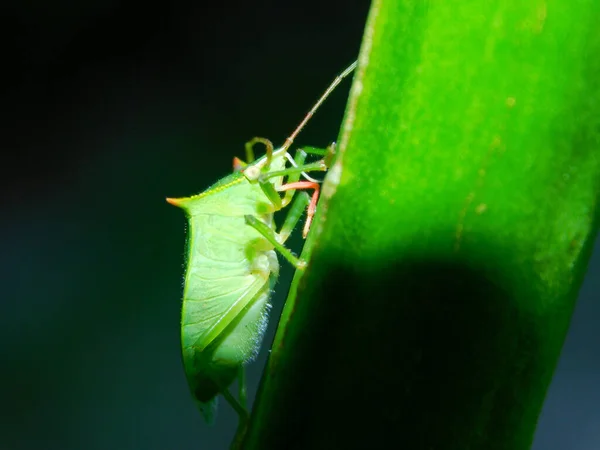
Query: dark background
(109, 107)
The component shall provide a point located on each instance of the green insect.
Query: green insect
(232, 265)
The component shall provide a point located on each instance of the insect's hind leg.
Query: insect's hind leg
(240, 408)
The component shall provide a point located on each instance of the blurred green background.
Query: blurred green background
(111, 106)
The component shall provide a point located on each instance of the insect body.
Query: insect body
(231, 270)
(232, 265)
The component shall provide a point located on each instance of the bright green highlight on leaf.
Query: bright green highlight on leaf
(452, 235)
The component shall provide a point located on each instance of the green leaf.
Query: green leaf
(452, 235)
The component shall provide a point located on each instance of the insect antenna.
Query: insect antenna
(290, 140)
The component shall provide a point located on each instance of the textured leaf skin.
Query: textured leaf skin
(445, 264)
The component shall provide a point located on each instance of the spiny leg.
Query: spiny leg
(312, 206)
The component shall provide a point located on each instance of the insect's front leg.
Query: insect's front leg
(250, 149)
(312, 206)
(239, 165)
(327, 153)
(291, 220)
(293, 176)
(293, 173)
(300, 169)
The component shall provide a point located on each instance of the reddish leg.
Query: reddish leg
(312, 206)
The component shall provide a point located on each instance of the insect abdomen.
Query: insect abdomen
(219, 276)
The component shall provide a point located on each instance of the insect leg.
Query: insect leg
(293, 184)
(269, 235)
(243, 418)
(327, 153)
(298, 160)
(299, 167)
(318, 166)
(250, 149)
(293, 175)
(315, 150)
(237, 406)
(293, 215)
(312, 206)
(271, 192)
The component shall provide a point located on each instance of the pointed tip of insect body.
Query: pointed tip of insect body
(208, 410)
(179, 202)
